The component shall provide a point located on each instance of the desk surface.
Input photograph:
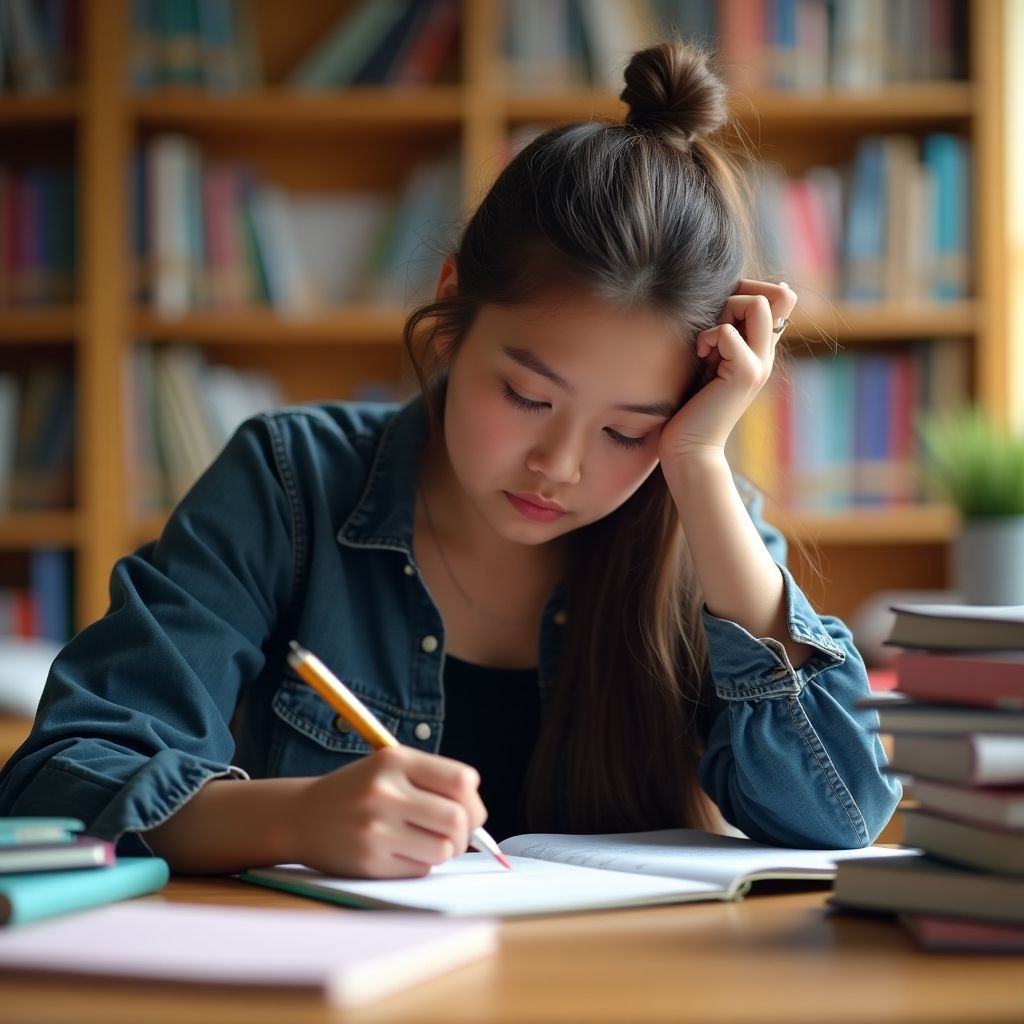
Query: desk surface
(779, 956)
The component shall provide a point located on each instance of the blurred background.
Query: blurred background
(208, 207)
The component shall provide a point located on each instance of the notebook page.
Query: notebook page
(720, 861)
(474, 884)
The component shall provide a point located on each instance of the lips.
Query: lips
(533, 499)
(535, 508)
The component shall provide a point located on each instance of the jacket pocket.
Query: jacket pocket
(310, 738)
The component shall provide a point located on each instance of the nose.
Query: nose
(557, 455)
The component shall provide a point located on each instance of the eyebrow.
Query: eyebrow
(527, 359)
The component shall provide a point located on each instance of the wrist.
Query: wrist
(693, 462)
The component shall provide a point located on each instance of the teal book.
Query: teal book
(31, 897)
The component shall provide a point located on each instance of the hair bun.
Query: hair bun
(671, 90)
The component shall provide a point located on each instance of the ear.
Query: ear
(447, 281)
(447, 286)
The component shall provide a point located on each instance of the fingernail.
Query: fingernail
(782, 284)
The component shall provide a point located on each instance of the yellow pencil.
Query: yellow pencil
(365, 722)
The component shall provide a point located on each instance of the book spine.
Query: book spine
(37, 896)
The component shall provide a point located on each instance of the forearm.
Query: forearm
(228, 826)
(737, 575)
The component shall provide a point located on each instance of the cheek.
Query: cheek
(482, 427)
(622, 475)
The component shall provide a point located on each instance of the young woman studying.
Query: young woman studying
(541, 576)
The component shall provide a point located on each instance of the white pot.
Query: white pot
(988, 560)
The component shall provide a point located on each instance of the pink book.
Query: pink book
(743, 38)
(963, 935)
(980, 679)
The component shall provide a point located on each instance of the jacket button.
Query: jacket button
(428, 644)
(559, 618)
(341, 723)
(422, 731)
(409, 570)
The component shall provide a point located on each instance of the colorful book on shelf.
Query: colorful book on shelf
(865, 235)
(31, 897)
(917, 883)
(425, 57)
(338, 59)
(180, 47)
(947, 159)
(562, 873)
(378, 64)
(978, 846)
(953, 627)
(43, 462)
(346, 959)
(874, 470)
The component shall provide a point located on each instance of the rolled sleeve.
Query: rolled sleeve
(789, 759)
(135, 716)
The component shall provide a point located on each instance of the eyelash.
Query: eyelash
(528, 405)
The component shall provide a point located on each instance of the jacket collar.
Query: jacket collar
(383, 516)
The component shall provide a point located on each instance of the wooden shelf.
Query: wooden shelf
(43, 325)
(24, 530)
(357, 139)
(424, 109)
(354, 325)
(58, 107)
(938, 103)
(846, 321)
(900, 525)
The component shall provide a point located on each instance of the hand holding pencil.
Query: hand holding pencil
(412, 804)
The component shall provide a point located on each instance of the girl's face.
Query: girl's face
(554, 410)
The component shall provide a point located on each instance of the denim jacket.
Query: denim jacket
(302, 529)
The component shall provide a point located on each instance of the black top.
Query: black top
(491, 720)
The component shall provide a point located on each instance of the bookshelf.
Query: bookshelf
(354, 137)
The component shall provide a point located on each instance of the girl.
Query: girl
(541, 575)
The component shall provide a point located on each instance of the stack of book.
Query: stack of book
(48, 867)
(957, 724)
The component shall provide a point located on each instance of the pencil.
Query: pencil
(365, 722)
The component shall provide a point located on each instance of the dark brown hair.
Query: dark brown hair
(648, 213)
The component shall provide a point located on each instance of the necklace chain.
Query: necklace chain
(475, 605)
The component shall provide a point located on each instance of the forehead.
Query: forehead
(593, 343)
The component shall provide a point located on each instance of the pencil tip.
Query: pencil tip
(503, 861)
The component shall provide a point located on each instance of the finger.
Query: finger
(442, 775)
(753, 315)
(422, 846)
(780, 296)
(440, 816)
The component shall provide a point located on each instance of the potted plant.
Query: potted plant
(978, 466)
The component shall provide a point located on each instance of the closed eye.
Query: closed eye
(526, 404)
(530, 405)
(624, 441)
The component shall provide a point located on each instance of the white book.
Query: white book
(288, 280)
(348, 959)
(333, 234)
(553, 874)
(171, 164)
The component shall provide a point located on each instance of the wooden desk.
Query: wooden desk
(13, 731)
(772, 957)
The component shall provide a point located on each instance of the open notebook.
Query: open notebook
(560, 873)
